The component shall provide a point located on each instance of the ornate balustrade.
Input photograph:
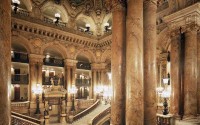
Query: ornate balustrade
(85, 112)
(83, 104)
(20, 79)
(19, 57)
(20, 107)
(99, 117)
(164, 119)
(24, 22)
(19, 119)
(53, 62)
(83, 65)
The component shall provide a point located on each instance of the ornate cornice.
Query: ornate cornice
(70, 62)
(98, 66)
(184, 18)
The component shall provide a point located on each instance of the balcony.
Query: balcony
(83, 65)
(20, 79)
(83, 82)
(19, 57)
(53, 62)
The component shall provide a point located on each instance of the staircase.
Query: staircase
(87, 119)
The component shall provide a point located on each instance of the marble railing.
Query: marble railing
(20, 107)
(83, 104)
(19, 119)
(99, 117)
(164, 119)
(86, 111)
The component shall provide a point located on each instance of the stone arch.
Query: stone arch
(54, 8)
(87, 53)
(57, 47)
(18, 39)
(163, 40)
(86, 19)
(106, 55)
(27, 4)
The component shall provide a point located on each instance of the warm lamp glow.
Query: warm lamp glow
(87, 25)
(37, 89)
(106, 24)
(159, 90)
(57, 15)
(165, 80)
(166, 94)
(109, 75)
(16, 1)
(73, 90)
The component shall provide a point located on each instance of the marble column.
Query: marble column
(70, 68)
(134, 63)
(190, 73)
(150, 69)
(198, 80)
(118, 63)
(5, 63)
(175, 74)
(35, 75)
(94, 74)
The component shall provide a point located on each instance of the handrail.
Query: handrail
(16, 117)
(86, 111)
(101, 115)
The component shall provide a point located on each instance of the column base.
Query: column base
(63, 118)
(46, 119)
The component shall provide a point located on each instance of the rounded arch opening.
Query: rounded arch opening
(50, 9)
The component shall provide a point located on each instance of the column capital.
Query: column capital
(70, 62)
(98, 66)
(34, 58)
(184, 18)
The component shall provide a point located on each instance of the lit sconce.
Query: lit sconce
(167, 80)
(12, 54)
(16, 4)
(47, 56)
(37, 91)
(57, 16)
(87, 27)
(159, 90)
(106, 26)
(109, 75)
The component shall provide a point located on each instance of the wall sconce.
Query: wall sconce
(16, 4)
(57, 16)
(106, 26)
(87, 27)
(167, 80)
(37, 91)
(109, 75)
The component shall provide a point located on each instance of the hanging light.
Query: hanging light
(16, 4)
(57, 16)
(106, 25)
(87, 27)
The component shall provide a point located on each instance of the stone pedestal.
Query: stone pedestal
(118, 63)
(134, 63)
(5, 63)
(150, 68)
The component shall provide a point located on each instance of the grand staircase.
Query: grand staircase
(88, 119)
